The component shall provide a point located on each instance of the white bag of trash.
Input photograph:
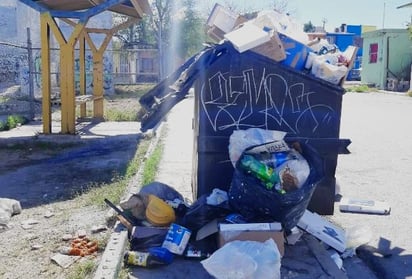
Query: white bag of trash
(8, 208)
(242, 139)
(245, 260)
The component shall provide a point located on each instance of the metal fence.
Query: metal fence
(20, 74)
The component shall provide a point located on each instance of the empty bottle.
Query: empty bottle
(261, 171)
(155, 256)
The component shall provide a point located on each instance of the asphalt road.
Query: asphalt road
(378, 169)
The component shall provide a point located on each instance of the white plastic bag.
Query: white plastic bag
(245, 260)
(242, 139)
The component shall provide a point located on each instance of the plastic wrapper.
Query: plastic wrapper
(242, 139)
(245, 260)
(286, 207)
(200, 213)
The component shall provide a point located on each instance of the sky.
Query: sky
(379, 13)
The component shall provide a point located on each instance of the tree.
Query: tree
(309, 27)
(193, 34)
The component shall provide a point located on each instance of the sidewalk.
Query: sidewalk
(307, 259)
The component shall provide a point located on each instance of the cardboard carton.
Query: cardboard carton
(249, 231)
(324, 230)
(273, 48)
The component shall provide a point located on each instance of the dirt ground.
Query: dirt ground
(44, 178)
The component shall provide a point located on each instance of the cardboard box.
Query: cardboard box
(273, 49)
(296, 52)
(324, 230)
(222, 18)
(249, 231)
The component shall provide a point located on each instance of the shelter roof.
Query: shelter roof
(132, 8)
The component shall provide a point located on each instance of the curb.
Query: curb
(112, 258)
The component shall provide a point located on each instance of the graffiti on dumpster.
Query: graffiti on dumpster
(246, 101)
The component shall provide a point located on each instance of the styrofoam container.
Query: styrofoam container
(222, 18)
(247, 36)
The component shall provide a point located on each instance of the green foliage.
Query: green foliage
(3, 126)
(359, 88)
(192, 31)
(135, 91)
(83, 270)
(151, 165)
(309, 27)
(119, 115)
(12, 122)
(95, 194)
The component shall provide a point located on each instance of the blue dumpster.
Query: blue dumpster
(243, 90)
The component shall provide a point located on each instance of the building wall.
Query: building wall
(394, 56)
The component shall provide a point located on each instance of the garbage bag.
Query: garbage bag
(200, 213)
(275, 204)
(161, 190)
(245, 259)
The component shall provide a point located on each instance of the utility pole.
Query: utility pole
(384, 11)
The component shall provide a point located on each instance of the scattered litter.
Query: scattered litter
(48, 214)
(36, 246)
(245, 259)
(29, 224)
(64, 260)
(336, 258)
(8, 208)
(294, 236)
(67, 237)
(177, 239)
(97, 229)
(80, 247)
(323, 230)
(81, 233)
(364, 206)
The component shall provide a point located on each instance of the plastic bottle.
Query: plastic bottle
(155, 256)
(193, 253)
(263, 172)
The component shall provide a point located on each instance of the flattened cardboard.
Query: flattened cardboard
(323, 230)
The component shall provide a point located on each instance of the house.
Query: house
(387, 58)
(350, 35)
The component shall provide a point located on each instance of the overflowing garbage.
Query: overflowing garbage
(281, 38)
(163, 226)
(274, 176)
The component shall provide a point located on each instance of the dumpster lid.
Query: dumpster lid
(165, 95)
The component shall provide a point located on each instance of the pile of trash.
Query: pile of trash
(279, 37)
(163, 226)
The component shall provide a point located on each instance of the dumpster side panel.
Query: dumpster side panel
(242, 91)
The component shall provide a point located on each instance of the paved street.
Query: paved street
(378, 168)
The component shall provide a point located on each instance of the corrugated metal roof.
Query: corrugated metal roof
(125, 8)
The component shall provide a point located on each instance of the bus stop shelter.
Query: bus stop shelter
(77, 13)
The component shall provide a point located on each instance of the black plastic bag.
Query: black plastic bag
(161, 190)
(200, 213)
(252, 200)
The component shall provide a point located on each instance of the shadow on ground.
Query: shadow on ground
(61, 168)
